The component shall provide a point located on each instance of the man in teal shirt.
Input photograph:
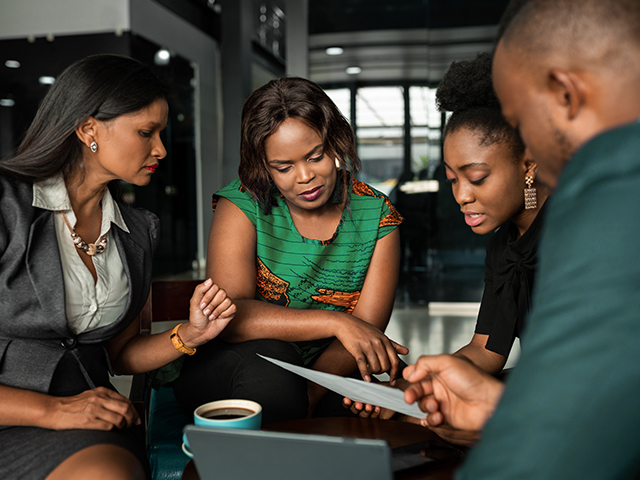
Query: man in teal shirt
(567, 73)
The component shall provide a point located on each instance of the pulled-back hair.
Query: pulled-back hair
(102, 86)
(467, 91)
(265, 110)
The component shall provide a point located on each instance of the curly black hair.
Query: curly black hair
(466, 91)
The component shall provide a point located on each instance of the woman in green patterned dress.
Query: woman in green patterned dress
(309, 254)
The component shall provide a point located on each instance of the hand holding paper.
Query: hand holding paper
(356, 390)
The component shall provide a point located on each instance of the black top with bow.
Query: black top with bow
(510, 268)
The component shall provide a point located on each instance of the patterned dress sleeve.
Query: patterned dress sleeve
(390, 218)
(240, 197)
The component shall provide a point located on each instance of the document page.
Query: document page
(356, 390)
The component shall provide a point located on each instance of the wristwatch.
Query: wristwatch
(178, 344)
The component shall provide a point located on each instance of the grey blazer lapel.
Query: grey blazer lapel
(45, 270)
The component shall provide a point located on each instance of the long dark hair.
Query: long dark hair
(102, 86)
(467, 91)
(265, 110)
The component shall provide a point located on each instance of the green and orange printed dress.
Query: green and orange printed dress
(294, 271)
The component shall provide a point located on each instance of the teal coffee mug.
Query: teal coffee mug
(244, 414)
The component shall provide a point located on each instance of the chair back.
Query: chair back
(163, 417)
(168, 301)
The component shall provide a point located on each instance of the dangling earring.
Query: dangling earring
(530, 194)
(337, 163)
(94, 147)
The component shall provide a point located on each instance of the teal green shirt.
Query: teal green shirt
(571, 409)
(294, 271)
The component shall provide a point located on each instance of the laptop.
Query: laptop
(227, 454)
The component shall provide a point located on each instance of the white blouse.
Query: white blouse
(89, 304)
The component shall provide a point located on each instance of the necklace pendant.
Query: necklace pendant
(89, 248)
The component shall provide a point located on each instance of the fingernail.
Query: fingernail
(207, 311)
(208, 282)
(367, 378)
(203, 304)
(212, 317)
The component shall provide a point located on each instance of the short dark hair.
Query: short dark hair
(102, 86)
(512, 10)
(467, 91)
(598, 32)
(265, 110)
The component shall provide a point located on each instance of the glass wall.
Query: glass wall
(399, 135)
(380, 132)
(171, 191)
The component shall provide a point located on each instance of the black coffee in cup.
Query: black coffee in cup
(226, 413)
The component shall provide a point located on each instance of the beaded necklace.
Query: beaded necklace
(90, 249)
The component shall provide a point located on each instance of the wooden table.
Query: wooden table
(397, 434)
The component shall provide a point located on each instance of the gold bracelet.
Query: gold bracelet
(178, 344)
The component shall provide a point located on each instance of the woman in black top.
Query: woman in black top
(491, 175)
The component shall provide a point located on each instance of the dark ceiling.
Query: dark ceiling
(393, 39)
(332, 16)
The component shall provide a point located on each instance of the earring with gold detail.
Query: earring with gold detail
(530, 194)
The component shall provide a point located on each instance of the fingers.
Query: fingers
(364, 410)
(225, 308)
(209, 291)
(429, 404)
(214, 302)
(364, 369)
(117, 410)
(394, 371)
(372, 350)
(100, 409)
(434, 364)
(368, 411)
(382, 356)
(416, 391)
(434, 419)
(408, 371)
(386, 414)
(400, 349)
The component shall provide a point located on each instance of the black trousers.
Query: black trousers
(221, 370)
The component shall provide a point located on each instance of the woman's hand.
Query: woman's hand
(210, 311)
(373, 350)
(365, 410)
(98, 409)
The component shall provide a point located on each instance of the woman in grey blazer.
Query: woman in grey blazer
(75, 271)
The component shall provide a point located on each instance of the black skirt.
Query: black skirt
(32, 453)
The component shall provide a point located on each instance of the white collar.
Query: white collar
(51, 194)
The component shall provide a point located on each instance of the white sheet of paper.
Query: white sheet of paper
(357, 390)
